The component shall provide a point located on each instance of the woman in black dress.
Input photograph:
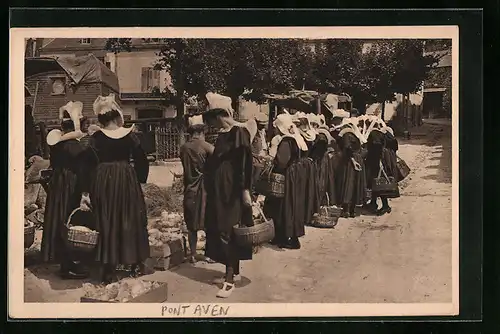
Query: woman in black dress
(286, 212)
(320, 152)
(351, 186)
(229, 184)
(65, 191)
(115, 191)
(382, 146)
(309, 176)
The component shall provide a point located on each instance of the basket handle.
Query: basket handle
(381, 170)
(261, 213)
(71, 216)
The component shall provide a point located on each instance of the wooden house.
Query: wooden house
(53, 82)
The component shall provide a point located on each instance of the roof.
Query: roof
(74, 44)
(71, 44)
(85, 69)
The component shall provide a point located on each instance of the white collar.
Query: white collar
(117, 133)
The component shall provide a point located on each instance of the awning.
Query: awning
(305, 101)
(85, 69)
(300, 102)
(434, 90)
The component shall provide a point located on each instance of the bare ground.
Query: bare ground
(402, 257)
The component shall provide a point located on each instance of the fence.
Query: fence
(168, 141)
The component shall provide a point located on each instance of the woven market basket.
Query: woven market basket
(271, 184)
(328, 216)
(83, 241)
(29, 234)
(261, 233)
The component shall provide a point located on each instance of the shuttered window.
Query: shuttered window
(150, 78)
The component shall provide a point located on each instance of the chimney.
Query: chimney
(29, 50)
(38, 47)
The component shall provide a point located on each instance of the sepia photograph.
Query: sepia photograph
(234, 172)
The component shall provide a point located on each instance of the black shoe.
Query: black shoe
(372, 208)
(352, 214)
(383, 211)
(292, 243)
(344, 214)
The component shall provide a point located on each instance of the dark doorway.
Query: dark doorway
(432, 104)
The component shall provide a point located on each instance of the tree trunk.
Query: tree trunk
(382, 113)
(180, 122)
(179, 99)
(235, 104)
(115, 65)
(406, 101)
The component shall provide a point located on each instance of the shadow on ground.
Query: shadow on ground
(204, 275)
(443, 169)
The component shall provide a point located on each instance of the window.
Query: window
(150, 78)
(149, 113)
(85, 41)
(58, 85)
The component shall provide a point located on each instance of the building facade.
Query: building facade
(437, 87)
(140, 83)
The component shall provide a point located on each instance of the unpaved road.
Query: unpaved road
(403, 257)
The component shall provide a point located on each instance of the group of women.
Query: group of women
(92, 173)
(327, 164)
(321, 163)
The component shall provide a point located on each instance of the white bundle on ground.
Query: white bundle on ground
(165, 229)
(122, 291)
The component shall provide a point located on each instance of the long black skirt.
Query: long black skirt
(220, 244)
(332, 170)
(120, 214)
(288, 212)
(220, 218)
(311, 180)
(351, 184)
(63, 197)
(372, 165)
(323, 175)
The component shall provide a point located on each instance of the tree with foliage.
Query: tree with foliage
(233, 67)
(391, 67)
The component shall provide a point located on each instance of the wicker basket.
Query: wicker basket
(272, 184)
(83, 241)
(328, 216)
(269, 183)
(261, 233)
(29, 234)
